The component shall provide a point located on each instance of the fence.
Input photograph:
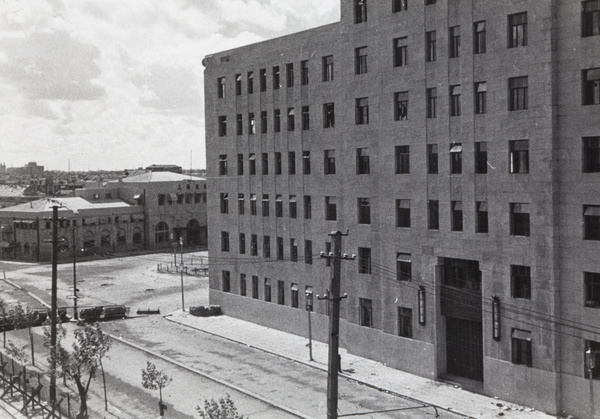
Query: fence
(197, 266)
(30, 389)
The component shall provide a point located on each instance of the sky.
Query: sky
(118, 84)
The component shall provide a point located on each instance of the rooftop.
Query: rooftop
(160, 177)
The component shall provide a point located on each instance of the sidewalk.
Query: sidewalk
(371, 373)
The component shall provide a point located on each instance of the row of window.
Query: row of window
(87, 221)
(180, 198)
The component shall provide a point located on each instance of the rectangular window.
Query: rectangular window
(278, 163)
(277, 120)
(519, 156)
(399, 5)
(330, 208)
(306, 162)
(481, 217)
(520, 281)
(308, 252)
(400, 106)
(278, 206)
(293, 207)
(243, 290)
(521, 347)
(431, 102)
(307, 207)
(327, 68)
(304, 72)
(254, 286)
(252, 164)
(289, 74)
(405, 322)
(479, 37)
(240, 164)
(253, 204)
(432, 159)
(360, 11)
(294, 296)
(362, 111)
(305, 118)
(224, 203)
(253, 245)
(364, 211)
(241, 208)
(221, 87)
(250, 81)
(519, 219)
(517, 30)
(242, 244)
(226, 278)
(362, 161)
(591, 222)
(403, 213)
(590, 22)
(433, 215)
(291, 162)
(267, 286)
(456, 158)
(329, 162)
(251, 124)
(263, 79)
(265, 205)
(592, 289)
(360, 60)
(517, 95)
(276, 78)
(400, 51)
(291, 121)
(294, 250)
(455, 93)
(328, 115)
(454, 42)
(591, 155)
(430, 40)
(265, 163)
(263, 122)
(280, 248)
(403, 267)
(591, 86)
(365, 312)
(480, 97)
(267, 247)
(364, 260)
(239, 124)
(280, 292)
(481, 161)
(224, 241)
(594, 347)
(238, 84)
(222, 164)
(456, 216)
(428, 2)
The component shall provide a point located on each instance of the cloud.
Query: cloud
(172, 88)
(51, 65)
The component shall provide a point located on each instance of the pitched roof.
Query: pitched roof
(160, 177)
(71, 203)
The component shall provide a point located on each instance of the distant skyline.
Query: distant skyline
(119, 84)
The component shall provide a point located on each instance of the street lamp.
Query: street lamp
(590, 357)
(182, 296)
(309, 308)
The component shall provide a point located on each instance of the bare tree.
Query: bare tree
(153, 379)
(81, 362)
(20, 318)
(5, 323)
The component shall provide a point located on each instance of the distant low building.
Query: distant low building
(165, 168)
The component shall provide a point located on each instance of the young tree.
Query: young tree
(153, 379)
(17, 352)
(20, 318)
(81, 363)
(222, 409)
(5, 323)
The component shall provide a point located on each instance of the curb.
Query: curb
(325, 369)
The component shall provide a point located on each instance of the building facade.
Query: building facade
(459, 143)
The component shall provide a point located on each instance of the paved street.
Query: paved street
(201, 364)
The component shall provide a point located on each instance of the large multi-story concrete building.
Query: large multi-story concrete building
(459, 143)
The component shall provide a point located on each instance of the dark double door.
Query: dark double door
(464, 348)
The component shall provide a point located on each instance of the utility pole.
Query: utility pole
(75, 315)
(334, 298)
(182, 297)
(590, 357)
(53, 314)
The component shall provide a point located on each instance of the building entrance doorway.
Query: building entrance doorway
(464, 351)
